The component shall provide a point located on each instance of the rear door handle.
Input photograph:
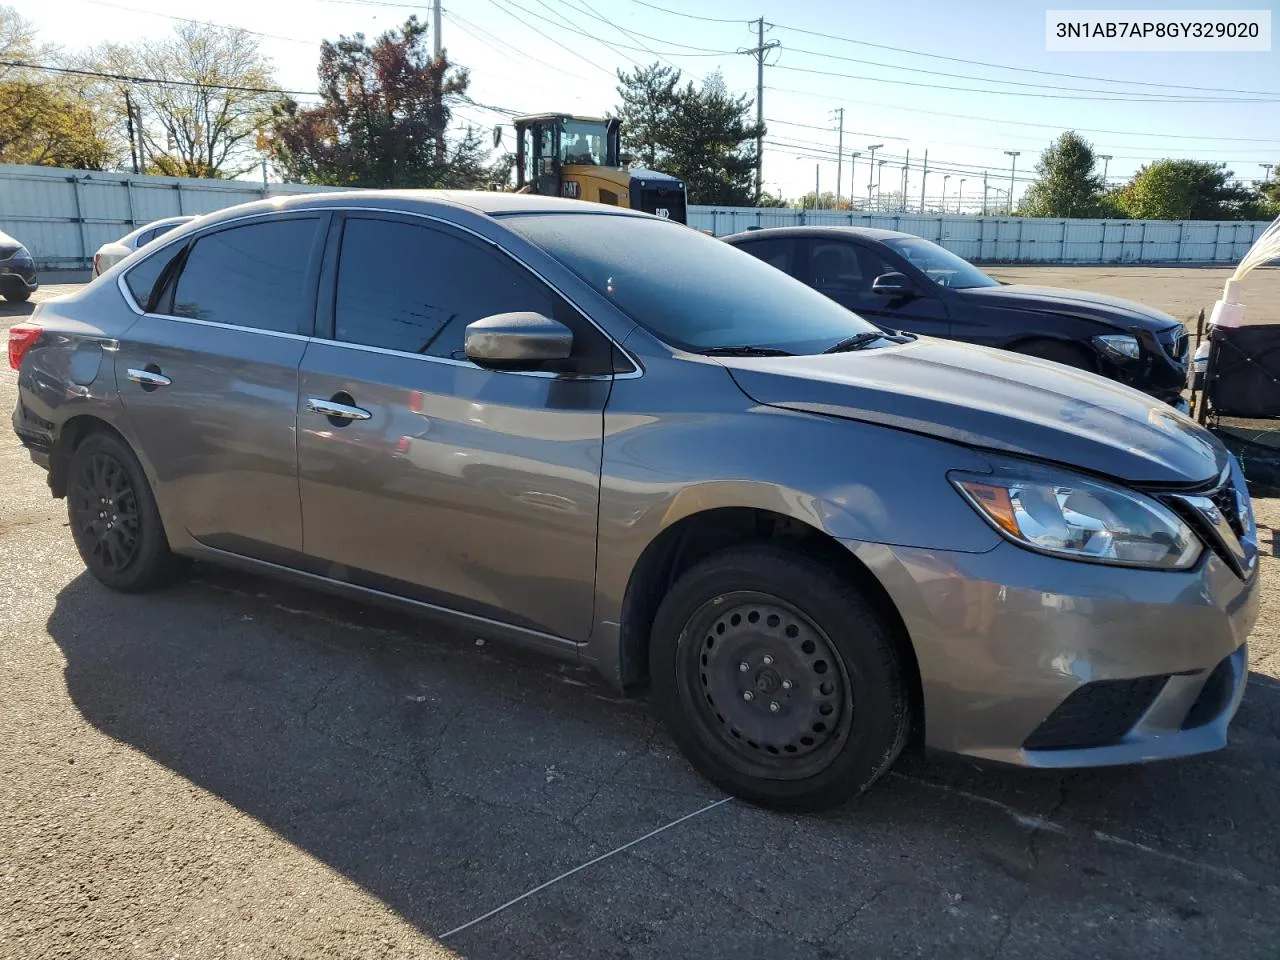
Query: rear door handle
(149, 378)
(339, 411)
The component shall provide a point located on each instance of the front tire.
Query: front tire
(777, 679)
(20, 296)
(114, 519)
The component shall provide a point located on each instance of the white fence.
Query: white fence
(63, 216)
(1019, 239)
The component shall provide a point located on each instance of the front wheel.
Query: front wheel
(778, 679)
(18, 296)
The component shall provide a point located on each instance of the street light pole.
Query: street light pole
(839, 111)
(1106, 163)
(1266, 169)
(853, 174)
(1013, 166)
(984, 193)
(960, 198)
(945, 178)
(871, 172)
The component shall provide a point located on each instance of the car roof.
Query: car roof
(830, 233)
(491, 202)
(152, 224)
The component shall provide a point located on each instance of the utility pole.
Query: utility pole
(871, 169)
(1013, 166)
(1106, 162)
(960, 199)
(133, 146)
(839, 112)
(905, 165)
(1266, 170)
(817, 185)
(984, 193)
(435, 26)
(879, 181)
(945, 178)
(758, 51)
(924, 179)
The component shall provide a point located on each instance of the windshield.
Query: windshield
(688, 289)
(943, 267)
(582, 142)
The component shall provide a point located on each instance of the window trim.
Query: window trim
(636, 371)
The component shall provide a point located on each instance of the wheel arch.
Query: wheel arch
(698, 535)
(71, 434)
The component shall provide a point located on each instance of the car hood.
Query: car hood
(995, 400)
(1122, 314)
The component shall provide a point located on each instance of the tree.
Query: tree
(1187, 190)
(702, 134)
(1066, 184)
(205, 122)
(647, 112)
(47, 123)
(383, 118)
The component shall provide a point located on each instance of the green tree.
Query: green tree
(649, 98)
(1187, 190)
(383, 118)
(1066, 184)
(1269, 197)
(702, 134)
(47, 123)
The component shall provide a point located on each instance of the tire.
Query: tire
(22, 296)
(1066, 354)
(829, 709)
(114, 519)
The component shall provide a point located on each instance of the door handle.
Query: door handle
(339, 411)
(149, 378)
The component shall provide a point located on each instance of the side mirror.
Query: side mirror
(517, 341)
(892, 285)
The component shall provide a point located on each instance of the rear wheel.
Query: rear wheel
(1065, 353)
(114, 519)
(778, 679)
(18, 296)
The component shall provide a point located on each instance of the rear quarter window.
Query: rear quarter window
(142, 280)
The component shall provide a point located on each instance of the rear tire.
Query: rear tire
(1066, 354)
(821, 709)
(22, 296)
(114, 519)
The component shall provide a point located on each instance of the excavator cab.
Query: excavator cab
(559, 155)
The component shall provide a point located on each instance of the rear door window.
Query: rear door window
(413, 288)
(249, 276)
(837, 266)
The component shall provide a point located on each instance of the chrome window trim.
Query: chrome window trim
(636, 369)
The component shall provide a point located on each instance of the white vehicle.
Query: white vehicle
(109, 254)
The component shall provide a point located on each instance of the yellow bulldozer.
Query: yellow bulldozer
(559, 155)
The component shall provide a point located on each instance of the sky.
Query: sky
(544, 55)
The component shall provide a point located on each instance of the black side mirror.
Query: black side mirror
(517, 341)
(892, 285)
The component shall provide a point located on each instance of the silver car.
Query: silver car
(109, 254)
(628, 444)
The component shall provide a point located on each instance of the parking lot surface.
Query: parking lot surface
(232, 768)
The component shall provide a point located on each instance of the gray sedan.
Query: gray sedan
(619, 441)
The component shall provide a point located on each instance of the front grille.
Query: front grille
(1096, 715)
(1224, 498)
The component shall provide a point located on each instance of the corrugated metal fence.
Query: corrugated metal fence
(63, 216)
(1020, 239)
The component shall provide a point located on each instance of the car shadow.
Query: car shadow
(446, 776)
(16, 311)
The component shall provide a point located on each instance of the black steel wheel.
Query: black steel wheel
(778, 679)
(113, 516)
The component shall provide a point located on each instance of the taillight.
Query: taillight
(21, 338)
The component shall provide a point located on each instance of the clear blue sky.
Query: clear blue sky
(514, 65)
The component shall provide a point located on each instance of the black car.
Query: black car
(18, 278)
(903, 282)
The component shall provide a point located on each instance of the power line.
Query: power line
(1152, 98)
(525, 23)
(102, 75)
(479, 33)
(1026, 123)
(204, 23)
(696, 51)
(591, 12)
(690, 16)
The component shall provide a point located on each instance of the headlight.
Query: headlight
(1071, 516)
(1120, 345)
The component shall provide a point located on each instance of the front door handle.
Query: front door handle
(337, 411)
(149, 378)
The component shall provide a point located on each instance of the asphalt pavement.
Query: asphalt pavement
(236, 769)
